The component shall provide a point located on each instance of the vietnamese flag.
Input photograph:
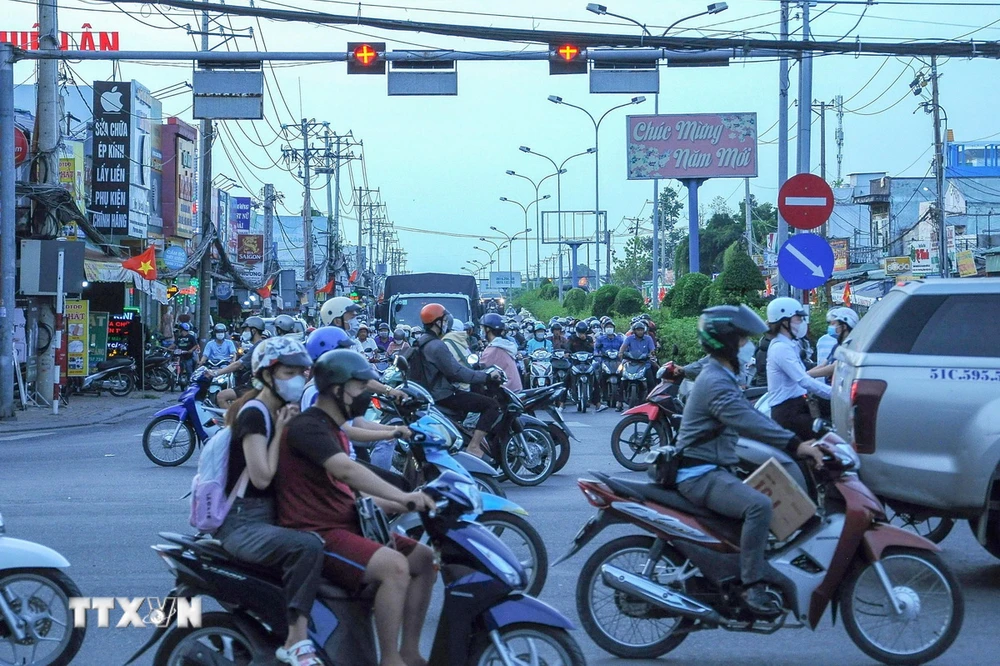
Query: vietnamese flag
(847, 294)
(354, 277)
(265, 291)
(144, 264)
(327, 289)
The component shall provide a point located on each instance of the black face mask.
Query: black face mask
(358, 407)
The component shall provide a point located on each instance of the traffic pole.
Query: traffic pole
(7, 247)
(57, 338)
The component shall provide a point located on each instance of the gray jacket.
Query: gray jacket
(442, 370)
(717, 414)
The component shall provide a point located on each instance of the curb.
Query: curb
(107, 418)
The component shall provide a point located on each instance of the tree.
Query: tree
(575, 301)
(629, 302)
(687, 294)
(637, 265)
(671, 229)
(604, 299)
(720, 232)
(740, 280)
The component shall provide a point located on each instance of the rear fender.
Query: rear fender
(173, 410)
(881, 536)
(493, 502)
(527, 420)
(647, 409)
(180, 591)
(590, 529)
(20, 554)
(519, 609)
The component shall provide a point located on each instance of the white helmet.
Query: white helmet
(783, 308)
(847, 316)
(336, 307)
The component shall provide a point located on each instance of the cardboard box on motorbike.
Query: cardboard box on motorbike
(792, 506)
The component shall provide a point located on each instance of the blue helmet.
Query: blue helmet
(326, 338)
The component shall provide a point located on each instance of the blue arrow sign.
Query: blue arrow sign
(806, 261)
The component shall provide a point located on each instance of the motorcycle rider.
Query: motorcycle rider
(787, 380)
(638, 345)
(252, 335)
(220, 349)
(186, 345)
(250, 532)
(442, 371)
(368, 346)
(341, 312)
(316, 492)
(383, 339)
(610, 341)
(284, 325)
(828, 340)
(399, 341)
(558, 339)
(500, 351)
(715, 415)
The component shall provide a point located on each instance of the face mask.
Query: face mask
(539, 336)
(353, 326)
(831, 330)
(246, 337)
(745, 355)
(800, 330)
(383, 334)
(359, 406)
(609, 332)
(220, 336)
(290, 390)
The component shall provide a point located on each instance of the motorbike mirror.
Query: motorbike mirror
(402, 365)
(820, 426)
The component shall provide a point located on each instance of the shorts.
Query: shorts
(347, 554)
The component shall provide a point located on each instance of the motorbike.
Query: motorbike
(899, 602)
(432, 452)
(546, 398)
(653, 423)
(540, 368)
(115, 375)
(485, 618)
(219, 384)
(633, 378)
(158, 373)
(560, 366)
(583, 372)
(36, 623)
(607, 369)
(175, 431)
(380, 360)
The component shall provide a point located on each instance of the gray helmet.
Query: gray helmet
(254, 322)
(338, 366)
(283, 325)
(220, 328)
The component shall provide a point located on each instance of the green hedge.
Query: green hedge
(687, 299)
(629, 301)
(575, 302)
(604, 299)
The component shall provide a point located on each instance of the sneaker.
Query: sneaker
(602, 408)
(761, 602)
(302, 653)
(618, 408)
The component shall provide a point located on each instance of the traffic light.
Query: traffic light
(567, 59)
(366, 57)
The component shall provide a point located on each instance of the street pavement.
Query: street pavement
(91, 494)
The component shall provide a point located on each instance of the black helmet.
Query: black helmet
(639, 325)
(582, 327)
(338, 366)
(720, 329)
(283, 325)
(383, 326)
(557, 325)
(254, 322)
(493, 322)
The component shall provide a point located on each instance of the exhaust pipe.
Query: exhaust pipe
(658, 595)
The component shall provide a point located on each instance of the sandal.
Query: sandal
(302, 653)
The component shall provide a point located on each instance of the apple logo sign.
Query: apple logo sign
(111, 101)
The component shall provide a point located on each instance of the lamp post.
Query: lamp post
(525, 209)
(555, 99)
(491, 255)
(538, 219)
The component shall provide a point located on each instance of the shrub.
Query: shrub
(668, 298)
(604, 299)
(549, 292)
(687, 297)
(740, 280)
(628, 302)
(575, 301)
(682, 332)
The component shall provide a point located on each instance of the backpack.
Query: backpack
(415, 362)
(209, 503)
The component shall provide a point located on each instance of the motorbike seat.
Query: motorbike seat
(208, 547)
(114, 363)
(453, 414)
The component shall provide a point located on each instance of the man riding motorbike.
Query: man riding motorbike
(610, 341)
(399, 341)
(368, 346)
(186, 344)
(253, 334)
(500, 351)
(342, 312)
(559, 339)
(284, 325)
(383, 339)
(220, 349)
(716, 414)
(441, 371)
(639, 344)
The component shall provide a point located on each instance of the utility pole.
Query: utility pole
(205, 207)
(838, 102)
(656, 226)
(269, 198)
(939, 172)
(783, 85)
(307, 239)
(805, 98)
(748, 214)
(8, 204)
(825, 232)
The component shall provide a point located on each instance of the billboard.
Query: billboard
(177, 141)
(141, 160)
(241, 213)
(250, 249)
(841, 250)
(505, 280)
(695, 145)
(111, 166)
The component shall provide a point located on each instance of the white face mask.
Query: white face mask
(246, 336)
(609, 331)
(746, 355)
(800, 330)
(220, 336)
(539, 336)
(290, 390)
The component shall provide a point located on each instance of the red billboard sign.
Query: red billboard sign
(86, 40)
(692, 145)
(20, 146)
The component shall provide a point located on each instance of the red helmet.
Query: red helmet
(431, 312)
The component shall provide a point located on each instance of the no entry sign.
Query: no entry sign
(805, 201)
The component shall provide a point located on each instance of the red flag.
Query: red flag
(144, 264)
(847, 294)
(354, 276)
(327, 289)
(265, 291)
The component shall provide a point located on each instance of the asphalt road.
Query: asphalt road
(91, 494)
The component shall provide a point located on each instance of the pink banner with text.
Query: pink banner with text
(695, 145)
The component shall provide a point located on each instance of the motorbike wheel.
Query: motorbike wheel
(488, 484)
(646, 632)
(992, 533)
(524, 541)
(932, 611)
(934, 528)
(561, 441)
(583, 398)
(46, 592)
(166, 444)
(528, 458)
(124, 382)
(218, 638)
(626, 440)
(159, 379)
(527, 643)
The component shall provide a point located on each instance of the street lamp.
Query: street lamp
(555, 99)
(538, 218)
(525, 209)
(714, 8)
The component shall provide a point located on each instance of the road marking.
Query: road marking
(575, 424)
(27, 435)
(806, 201)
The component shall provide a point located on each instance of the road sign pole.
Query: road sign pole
(692, 185)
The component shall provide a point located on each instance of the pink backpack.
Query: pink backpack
(209, 503)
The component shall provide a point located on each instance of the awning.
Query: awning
(112, 271)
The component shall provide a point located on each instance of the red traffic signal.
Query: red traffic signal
(567, 59)
(366, 57)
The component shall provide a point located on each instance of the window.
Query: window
(880, 313)
(957, 325)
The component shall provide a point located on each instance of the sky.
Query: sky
(440, 162)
